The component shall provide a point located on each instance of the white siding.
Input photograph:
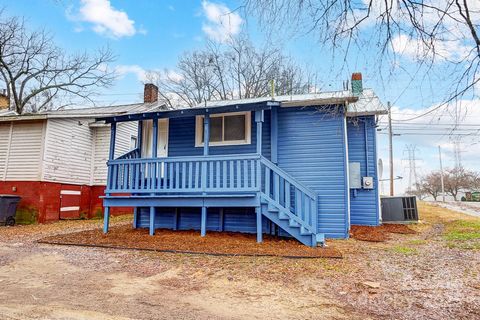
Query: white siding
(125, 131)
(4, 142)
(23, 151)
(68, 151)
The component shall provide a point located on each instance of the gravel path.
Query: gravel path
(373, 281)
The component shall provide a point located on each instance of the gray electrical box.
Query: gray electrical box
(367, 182)
(354, 176)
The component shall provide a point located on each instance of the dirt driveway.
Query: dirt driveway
(434, 274)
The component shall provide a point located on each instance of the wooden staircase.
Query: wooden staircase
(289, 204)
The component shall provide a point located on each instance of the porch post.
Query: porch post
(274, 134)
(206, 134)
(111, 156)
(206, 141)
(259, 117)
(203, 226)
(135, 217)
(152, 221)
(155, 138)
(140, 138)
(258, 211)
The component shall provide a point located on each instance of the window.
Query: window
(225, 129)
(133, 142)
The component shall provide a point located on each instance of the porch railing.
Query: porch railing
(228, 174)
(214, 174)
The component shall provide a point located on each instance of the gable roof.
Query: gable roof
(93, 113)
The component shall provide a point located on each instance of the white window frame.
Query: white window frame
(248, 130)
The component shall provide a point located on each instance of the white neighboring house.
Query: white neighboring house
(56, 160)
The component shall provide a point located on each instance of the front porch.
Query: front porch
(239, 180)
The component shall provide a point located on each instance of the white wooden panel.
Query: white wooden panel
(24, 156)
(68, 151)
(125, 131)
(4, 142)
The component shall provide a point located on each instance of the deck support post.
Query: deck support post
(152, 221)
(203, 226)
(258, 211)
(135, 217)
(175, 219)
(221, 217)
(106, 219)
(259, 118)
(111, 156)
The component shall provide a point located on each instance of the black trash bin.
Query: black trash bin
(8, 207)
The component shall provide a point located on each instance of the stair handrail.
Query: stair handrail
(297, 184)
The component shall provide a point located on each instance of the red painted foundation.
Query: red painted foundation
(42, 201)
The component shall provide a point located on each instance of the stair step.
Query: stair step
(304, 232)
(294, 224)
(283, 216)
(272, 208)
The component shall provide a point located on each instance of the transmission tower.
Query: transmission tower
(457, 151)
(411, 149)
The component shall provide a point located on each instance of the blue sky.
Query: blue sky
(152, 34)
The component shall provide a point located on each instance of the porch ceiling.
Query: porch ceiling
(260, 105)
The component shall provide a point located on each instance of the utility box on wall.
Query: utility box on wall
(367, 182)
(354, 176)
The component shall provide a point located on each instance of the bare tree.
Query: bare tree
(459, 179)
(35, 71)
(431, 185)
(432, 30)
(234, 70)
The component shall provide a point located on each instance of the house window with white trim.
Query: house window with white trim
(225, 129)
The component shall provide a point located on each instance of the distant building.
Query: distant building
(56, 160)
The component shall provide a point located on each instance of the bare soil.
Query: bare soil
(189, 241)
(408, 276)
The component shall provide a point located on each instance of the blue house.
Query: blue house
(302, 166)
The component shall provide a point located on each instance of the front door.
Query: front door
(162, 147)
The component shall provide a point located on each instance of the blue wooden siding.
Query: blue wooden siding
(364, 208)
(234, 219)
(311, 148)
(181, 140)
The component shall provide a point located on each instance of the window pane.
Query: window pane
(235, 127)
(216, 129)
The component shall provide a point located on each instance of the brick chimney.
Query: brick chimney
(357, 86)
(150, 93)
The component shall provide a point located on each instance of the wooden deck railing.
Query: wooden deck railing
(223, 174)
(184, 174)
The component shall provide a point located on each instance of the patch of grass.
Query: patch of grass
(417, 242)
(463, 234)
(404, 250)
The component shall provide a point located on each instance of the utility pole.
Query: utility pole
(441, 172)
(390, 146)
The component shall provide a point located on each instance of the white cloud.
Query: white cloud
(139, 72)
(106, 20)
(222, 22)
(441, 50)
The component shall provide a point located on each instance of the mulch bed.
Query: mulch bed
(380, 233)
(215, 243)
